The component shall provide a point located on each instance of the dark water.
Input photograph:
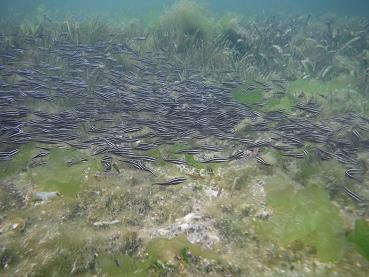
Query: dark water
(116, 9)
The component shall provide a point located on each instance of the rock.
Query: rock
(196, 227)
(14, 226)
(105, 223)
(18, 225)
(213, 192)
(45, 196)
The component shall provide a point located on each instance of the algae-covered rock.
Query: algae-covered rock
(306, 216)
(168, 249)
(45, 196)
(57, 175)
(244, 96)
(360, 237)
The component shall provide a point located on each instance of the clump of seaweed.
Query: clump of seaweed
(188, 34)
(360, 237)
(184, 24)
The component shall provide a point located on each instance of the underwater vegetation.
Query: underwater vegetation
(57, 175)
(306, 216)
(184, 24)
(19, 163)
(254, 97)
(163, 256)
(360, 237)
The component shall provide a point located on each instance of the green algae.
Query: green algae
(306, 216)
(190, 160)
(272, 103)
(341, 94)
(279, 103)
(124, 265)
(177, 147)
(360, 237)
(328, 172)
(314, 86)
(167, 249)
(56, 175)
(154, 153)
(18, 163)
(157, 155)
(241, 95)
(56, 250)
(160, 255)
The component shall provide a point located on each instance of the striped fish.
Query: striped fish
(189, 151)
(145, 146)
(41, 154)
(238, 155)
(74, 162)
(215, 160)
(175, 161)
(5, 156)
(106, 161)
(352, 194)
(172, 182)
(294, 154)
(260, 160)
(138, 165)
(351, 173)
(143, 158)
(210, 148)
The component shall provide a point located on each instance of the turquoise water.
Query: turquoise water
(115, 9)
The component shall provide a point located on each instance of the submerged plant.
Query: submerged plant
(360, 237)
(185, 23)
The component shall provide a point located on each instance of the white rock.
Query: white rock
(105, 223)
(45, 196)
(14, 226)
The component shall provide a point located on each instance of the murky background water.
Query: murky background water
(184, 138)
(117, 9)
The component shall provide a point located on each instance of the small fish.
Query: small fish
(238, 155)
(106, 161)
(352, 194)
(294, 154)
(41, 154)
(145, 146)
(175, 161)
(310, 107)
(251, 87)
(143, 158)
(10, 153)
(210, 148)
(5, 156)
(75, 162)
(262, 161)
(188, 151)
(351, 173)
(172, 182)
(215, 160)
(138, 164)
